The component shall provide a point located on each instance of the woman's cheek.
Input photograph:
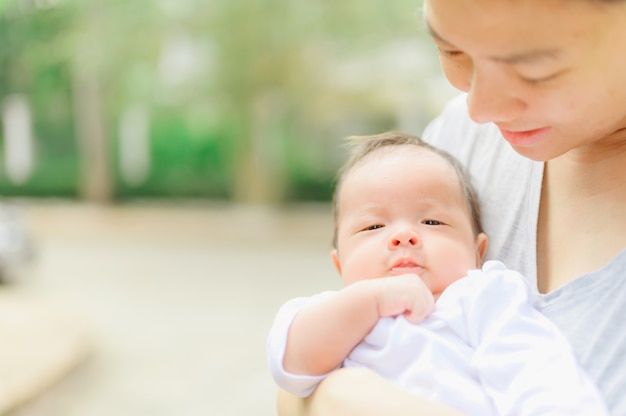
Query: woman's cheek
(457, 73)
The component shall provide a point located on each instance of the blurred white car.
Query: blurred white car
(16, 246)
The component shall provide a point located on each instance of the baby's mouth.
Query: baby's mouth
(406, 266)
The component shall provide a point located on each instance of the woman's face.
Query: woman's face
(551, 74)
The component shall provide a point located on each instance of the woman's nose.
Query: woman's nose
(405, 237)
(489, 100)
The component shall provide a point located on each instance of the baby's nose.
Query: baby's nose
(402, 238)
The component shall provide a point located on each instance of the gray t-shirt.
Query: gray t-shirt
(590, 310)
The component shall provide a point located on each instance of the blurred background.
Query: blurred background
(166, 168)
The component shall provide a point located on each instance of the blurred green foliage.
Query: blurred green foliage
(248, 100)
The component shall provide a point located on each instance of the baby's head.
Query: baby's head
(404, 206)
(362, 146)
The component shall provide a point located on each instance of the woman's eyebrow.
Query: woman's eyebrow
(525, 57)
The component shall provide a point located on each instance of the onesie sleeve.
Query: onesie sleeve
(522, 360)
(300, 385)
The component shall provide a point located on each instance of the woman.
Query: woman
(542, 129)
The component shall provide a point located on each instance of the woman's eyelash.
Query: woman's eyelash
(450, 53)
(539, 80)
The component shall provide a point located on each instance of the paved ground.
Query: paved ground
(175, 303)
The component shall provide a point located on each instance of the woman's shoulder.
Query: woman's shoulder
(454, 119)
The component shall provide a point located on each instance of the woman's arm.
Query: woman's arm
(358, 391)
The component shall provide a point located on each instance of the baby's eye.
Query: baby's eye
(373, 227)
(432, 222)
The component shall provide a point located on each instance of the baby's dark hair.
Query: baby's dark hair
(361, 146)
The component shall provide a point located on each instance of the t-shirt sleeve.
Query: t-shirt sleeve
(522, 360)
(298, 384)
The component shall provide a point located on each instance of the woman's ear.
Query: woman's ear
(482, 241)
(335, 257)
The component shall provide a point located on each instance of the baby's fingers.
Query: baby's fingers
(423, 305)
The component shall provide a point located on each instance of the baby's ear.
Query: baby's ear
(482, 241)
(335, 257)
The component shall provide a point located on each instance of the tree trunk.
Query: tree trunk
(95, 182)
(259, 169)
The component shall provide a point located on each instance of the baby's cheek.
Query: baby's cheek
(352, 273)
(359, 271)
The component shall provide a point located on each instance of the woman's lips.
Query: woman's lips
(524, 138)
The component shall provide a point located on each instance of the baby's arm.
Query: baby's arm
(323, 333)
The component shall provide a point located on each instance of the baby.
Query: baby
(418, 306)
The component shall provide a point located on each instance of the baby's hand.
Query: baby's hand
(406, 295)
